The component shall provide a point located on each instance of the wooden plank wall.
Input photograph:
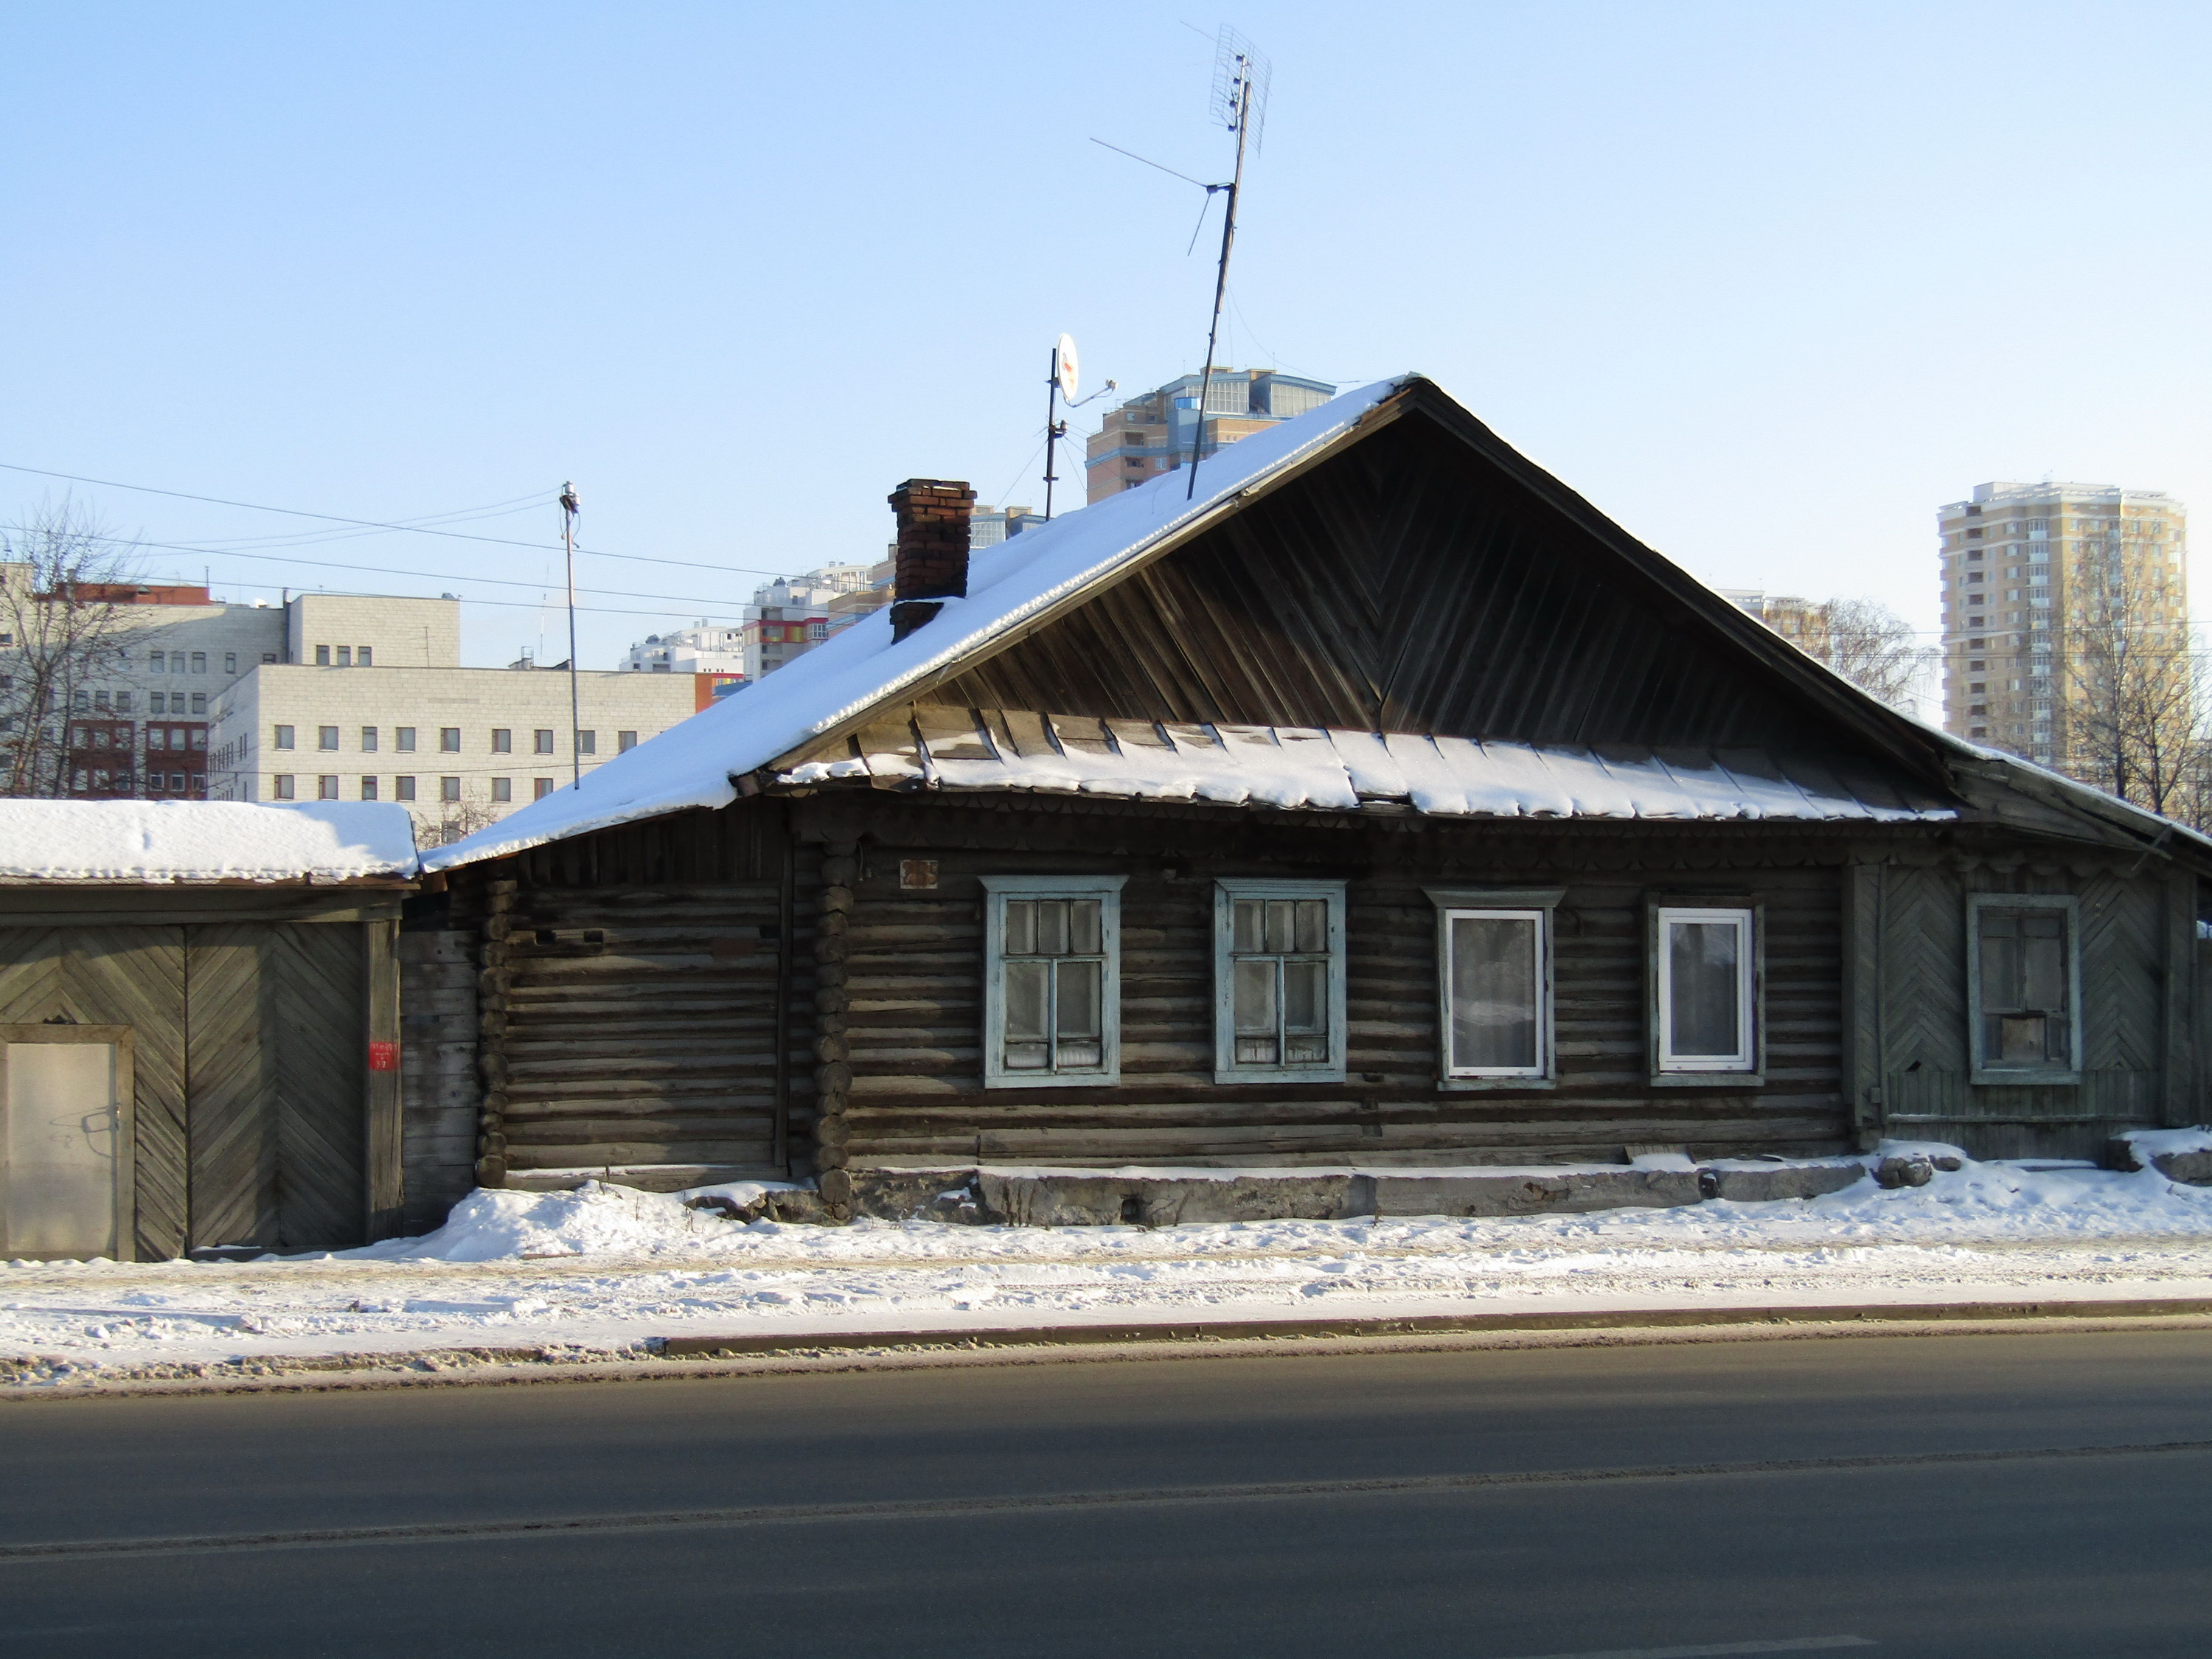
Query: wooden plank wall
(438, 1091)
(120, 975)
(1912, 929)
(914, 976)
(636, 975)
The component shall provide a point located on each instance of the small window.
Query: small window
(1494, 985)
(230, 662)
(322, 656)
(449, 788)
(2026, 988)
(502, 789)
(99, 700)
(402, 739)
(282, 784)
(199, 702)
(368, 788)
(1707, 980)
(283, 738)
(402, 789)
(157, 662)
(199, 739)
(326, 787)
(542, 740)
(1279, 982)
(502, 741)
(368, 740)
(269, 656)
(1052, 980)
(587, 742)
(449, 739)
(540, 788)
(363, 656)
(199, 662)
(326, 737)
(625, 741)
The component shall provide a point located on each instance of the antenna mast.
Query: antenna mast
(1240, 103)
(569, 510)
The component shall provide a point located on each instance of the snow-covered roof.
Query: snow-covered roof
(1017, 582)
(1291, 767)
(690, 764)
(197, 840)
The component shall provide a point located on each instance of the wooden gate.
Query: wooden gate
(257, 1119)
(274, 1028)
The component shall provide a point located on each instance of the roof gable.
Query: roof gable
(1407, 584)
(1442, 583)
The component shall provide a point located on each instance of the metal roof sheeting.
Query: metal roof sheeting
(1303, 768)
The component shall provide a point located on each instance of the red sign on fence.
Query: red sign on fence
(383, 1056)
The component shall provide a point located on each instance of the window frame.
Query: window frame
(1980, 1071)
(1226, 891)
(1503, 902)
(1666, 1070)
(997, 890)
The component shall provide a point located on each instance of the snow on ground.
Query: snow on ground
(604, 1269)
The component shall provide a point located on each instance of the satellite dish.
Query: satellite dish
(1063, 359)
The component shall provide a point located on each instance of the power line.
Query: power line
(386, 570)
(375, 524)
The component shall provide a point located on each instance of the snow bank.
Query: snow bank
(179, 841)
(594, 1219)
(606, 1270)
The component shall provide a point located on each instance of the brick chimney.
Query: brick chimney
(932, 561)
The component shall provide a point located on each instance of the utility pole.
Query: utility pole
(569, 510)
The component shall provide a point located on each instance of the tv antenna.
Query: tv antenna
(570, 507)
(1240, 103)
(1241, 75)
(1060, 384)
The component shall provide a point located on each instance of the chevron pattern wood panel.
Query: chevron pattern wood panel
(2123, 954)
(131, 976)
(277, 1137)
(1923, 981)
(312, 979)
(233, 1125)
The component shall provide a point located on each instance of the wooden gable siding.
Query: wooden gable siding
(1403, 586)
(913, 1011)
(631, 1017)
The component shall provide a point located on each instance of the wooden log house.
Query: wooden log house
(1379, 806)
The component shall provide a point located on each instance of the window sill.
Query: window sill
(2025, 1080)
(1250, 1074)
(1053, 1080)
(1708, 1080)
(1466, 1085)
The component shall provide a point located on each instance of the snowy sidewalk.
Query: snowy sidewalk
(604, 1271)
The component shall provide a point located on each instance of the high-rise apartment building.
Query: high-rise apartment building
(2059, 598)
(1153, 434)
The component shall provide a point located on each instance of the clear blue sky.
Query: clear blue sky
(1765, 282)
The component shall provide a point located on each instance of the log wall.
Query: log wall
(913, 1011)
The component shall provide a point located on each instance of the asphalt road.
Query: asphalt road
(1961, 1495)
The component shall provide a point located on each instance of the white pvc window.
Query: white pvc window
(1496, 972)
(1052, 980)
(1279, 982)
(1708, 978)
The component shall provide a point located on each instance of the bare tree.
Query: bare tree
(455, 819)
(2133, 704)
(1866, 642)
(64, 581)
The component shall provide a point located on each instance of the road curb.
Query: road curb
(707, 1347)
